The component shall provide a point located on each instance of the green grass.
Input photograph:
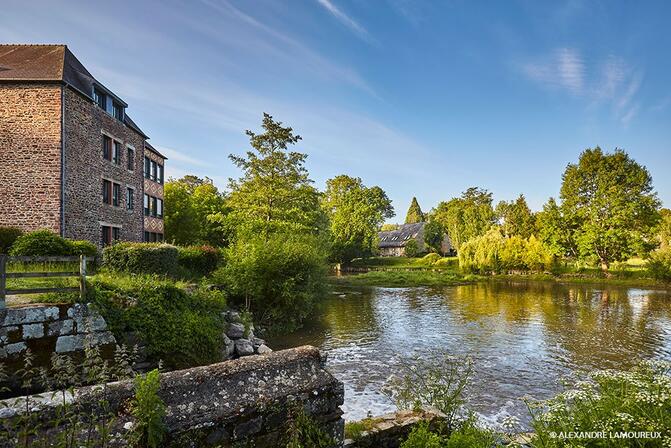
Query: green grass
(403, 278)
(404, 262)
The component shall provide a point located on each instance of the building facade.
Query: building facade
(71, 160)
(392, 243)
(154, 177)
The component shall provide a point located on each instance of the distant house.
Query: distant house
(392, 243)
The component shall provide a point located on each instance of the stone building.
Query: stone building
(71, 159)
(392, 243)
(153, 171)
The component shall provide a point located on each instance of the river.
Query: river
(524, 338)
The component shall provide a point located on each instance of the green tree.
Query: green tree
(516, 218)
(664, 230)
(411, 248)
(275, 192)
(355, 213)
(611, 198)
(466, 217)
(556, 230)
(433, 236)
(389, 227)
(414, 214)
(195, 212)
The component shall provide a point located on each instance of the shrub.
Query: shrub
(199, 260)
(40, 243)
(7, 237)
(411, 248)
(422, 437)
(430, 259)
(279, 279)
(445, 262)
(181, 328)
(149, 411)
(142, 258)
(87, 248)
(659, 264)
(638, 400)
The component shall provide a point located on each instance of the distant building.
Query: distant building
(71, 159)
(392, 242)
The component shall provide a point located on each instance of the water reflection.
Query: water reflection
(523, 337)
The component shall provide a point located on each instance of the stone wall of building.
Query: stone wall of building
(155, 189)
(244, 402)
(30, 156)
(85, 169)
(47, 329)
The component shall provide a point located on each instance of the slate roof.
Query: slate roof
(399, 237)
(52, 63)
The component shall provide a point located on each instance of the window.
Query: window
(100, 99)
(107, 192)
(147, 167)
(116, 233)
(106, 235)
(153, 237)
(154, 170)
(130, 162)
(154, 206)
(159, 208)
(117, 111)
(116, 153)
(130, 198)
(107, 147)
(146, 236)
(147, 208)
(159, 178)
(116, 195)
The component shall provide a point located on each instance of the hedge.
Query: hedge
(45, 243)
(142, 258)
(7, 237)
(199, 260)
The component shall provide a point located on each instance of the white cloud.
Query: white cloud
(345, 19)
(178, 156)
(564, 69)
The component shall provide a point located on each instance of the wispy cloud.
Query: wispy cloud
(612, 81)
(564, 69)
(345, 19)
(179, 156)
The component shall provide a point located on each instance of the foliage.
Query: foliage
(638, 400)
(430, 259)
(664, 229)
(415, 213)
(659, 264)
(433, 236)
(355, 212)
(278, 279)
(422, 437)
(389, 227)
(274, 193)
(466, 217)
(40, 243)
(516, 218)
(411, 248)
(467, 435)
(302, 431)
(149, 411)
(181, 328)
(440, 384)
(494, 253)
(611, 198)
(7, 237)
(142, 258)
(195, 212)
(199, 260)
(82, 247)
(355, 430)
(556, 230)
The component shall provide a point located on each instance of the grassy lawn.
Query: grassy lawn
(444, 263)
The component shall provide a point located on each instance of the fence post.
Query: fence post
(82, 277)
(3, 280)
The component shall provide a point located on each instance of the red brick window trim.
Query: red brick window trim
(107, 147)
(107, 192)
(109, 234)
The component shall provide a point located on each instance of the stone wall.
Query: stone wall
(244, 402)
(30, 156)
(47, 329)
(390, 430)
(85, 169)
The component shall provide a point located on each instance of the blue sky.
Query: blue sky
(421, 98)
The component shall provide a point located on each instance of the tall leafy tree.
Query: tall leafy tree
(194, 212)
(414, 214)
(466, 217)
(556, 230)
(664, 230)
(516, 218)
(611, 198)
(433, 236)
(355, 214)
(274, 193)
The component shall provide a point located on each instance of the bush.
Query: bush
(82, 247)
(430, 259)
(199, 260)
(142, 258)
(422, 437)
(279, 280)
(149, 411)
(40, 243)
(7, 237)
(659, 264)
(411, 248)
(182, 329)
(610, 401)
(445, 262)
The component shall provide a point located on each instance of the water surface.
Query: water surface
(523, 337)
